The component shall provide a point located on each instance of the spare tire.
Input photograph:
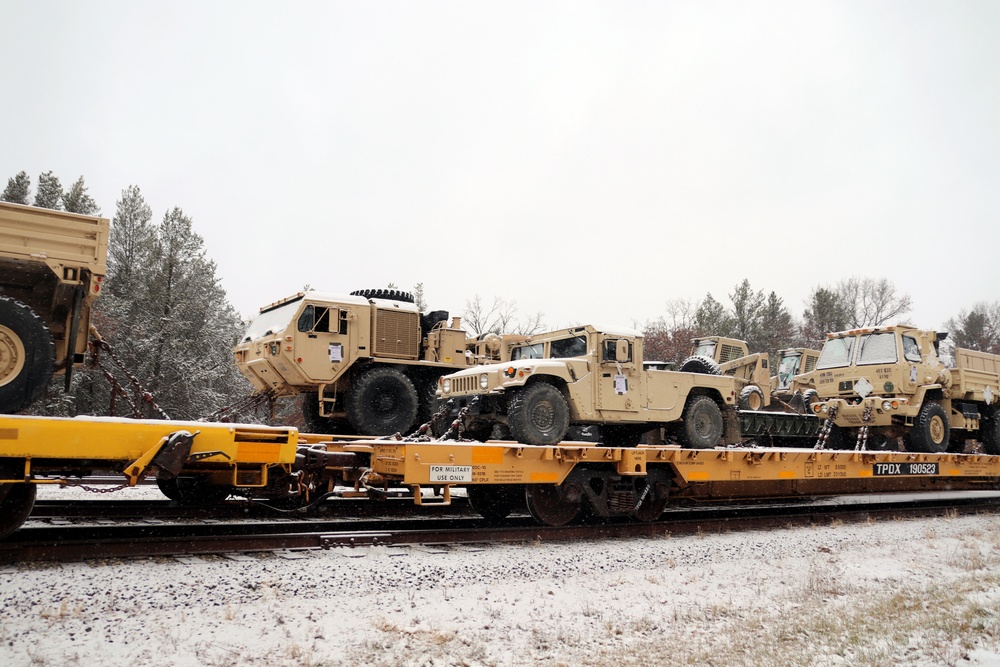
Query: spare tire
(390, 294)
(700, 364)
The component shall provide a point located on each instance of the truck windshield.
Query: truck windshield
(788, 369)
(536, 351)
(271, 322)
(704, 348)
(877, 348)
(836, 352)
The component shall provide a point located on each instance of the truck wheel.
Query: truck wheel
(390, 294)
(809, 396)
(751, 398)
(16, 501)
(700, 364)
(310, 415)
(382, 401)
(27, 356)
(538, 415)
(930, 430)
(702, 425)
(989, 432)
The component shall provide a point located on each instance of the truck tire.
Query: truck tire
(809, 396)
(702, 423)
(310, 416)
(390, 294)
(382, 401)
(751, 398)
(27, 356)
(700, 364)
(538, 415)
(930, 430)
(989, 431)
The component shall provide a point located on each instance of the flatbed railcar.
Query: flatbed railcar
(191, 461)
(559, 482)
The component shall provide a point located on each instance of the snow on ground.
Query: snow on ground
(915, 592)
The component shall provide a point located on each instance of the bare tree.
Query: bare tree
(500, 317)
(871, 302)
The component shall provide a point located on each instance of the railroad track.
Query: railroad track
(79, 543)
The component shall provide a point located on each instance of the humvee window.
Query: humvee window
(568, 347)
(610, 351)
(536, 351)
(911, 350)
(877, 349)
(836, 352)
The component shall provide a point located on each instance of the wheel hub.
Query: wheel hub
(11, 355)
(543, 416)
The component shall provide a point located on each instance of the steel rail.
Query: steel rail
(78, 544)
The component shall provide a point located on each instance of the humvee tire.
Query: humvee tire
(538, 415)
(702, 424)
(27, 356)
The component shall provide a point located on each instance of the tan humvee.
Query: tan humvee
(586, 376)
(52, 264)
(886, 382)
(367, 363)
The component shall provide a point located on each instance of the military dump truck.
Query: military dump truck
(878, 385)
(52, 265)
(586, 376)
(365, 363)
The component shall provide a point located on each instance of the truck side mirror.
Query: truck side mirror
(622, 351)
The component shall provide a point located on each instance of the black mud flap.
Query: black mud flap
(173, 454)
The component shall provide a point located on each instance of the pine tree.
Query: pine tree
(826, 312)
(745, 319)
(18, 190)
(78, 201)
(711, 318)
(50, 192)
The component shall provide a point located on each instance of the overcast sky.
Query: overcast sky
(591, 161)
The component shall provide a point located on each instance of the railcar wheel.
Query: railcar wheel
(538, 415)
(702, 423)
(989, 432)
(930, 430)
(751, 398)
(16, 502)
(495, 502)
(194, 490)
(382, 401)
(548, 504)
(27, 356)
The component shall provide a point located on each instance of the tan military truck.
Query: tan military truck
(52, 265)
(587, 376)
(366, 363)
(877, 385)
(717, 355)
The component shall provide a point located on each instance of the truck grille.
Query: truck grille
(464, 384)
(396, 334)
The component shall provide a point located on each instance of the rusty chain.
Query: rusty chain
(862, 442)
(824, 433)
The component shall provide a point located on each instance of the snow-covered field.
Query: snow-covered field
(915, 592)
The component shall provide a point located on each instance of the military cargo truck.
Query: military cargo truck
(877, 385)
(365, 363)
(587, 376)
(52, 265)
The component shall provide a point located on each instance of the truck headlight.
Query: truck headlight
(445, 386)
(484, 381)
